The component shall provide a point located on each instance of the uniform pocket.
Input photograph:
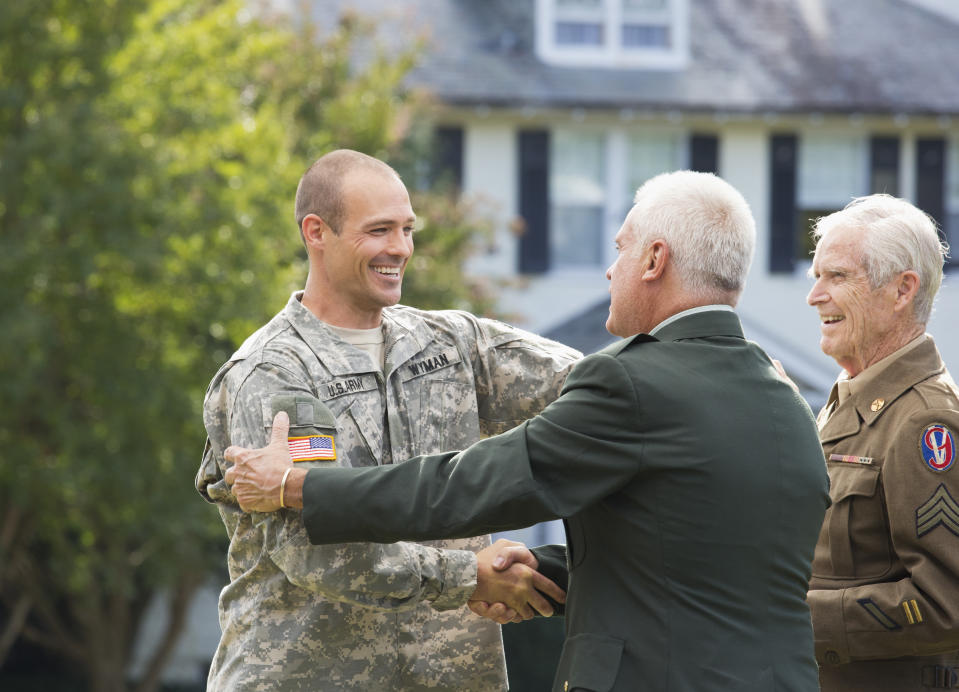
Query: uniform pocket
(849, 480)
(589, 662)
(858, 540)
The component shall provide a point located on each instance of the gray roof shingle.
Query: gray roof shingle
(752, 56)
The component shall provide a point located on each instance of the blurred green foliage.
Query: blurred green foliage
(149, 153)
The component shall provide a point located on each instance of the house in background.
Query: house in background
(555, 111)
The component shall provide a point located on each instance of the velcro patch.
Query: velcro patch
(311, 448)
(350, 384)
(938, 447)
(940, 509)
(430, 362)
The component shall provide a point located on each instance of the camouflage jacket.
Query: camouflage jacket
(363, 616)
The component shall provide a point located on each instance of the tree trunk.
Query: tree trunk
(13, 627)
(180, 599)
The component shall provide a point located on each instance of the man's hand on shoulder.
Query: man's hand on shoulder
(263, 480)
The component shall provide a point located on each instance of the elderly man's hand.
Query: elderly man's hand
(257, 474)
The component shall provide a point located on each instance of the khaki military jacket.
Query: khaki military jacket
(363, 616)
(884, 594)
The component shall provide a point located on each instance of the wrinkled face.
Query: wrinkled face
(627, 297)
(365, 262)
(855, 319)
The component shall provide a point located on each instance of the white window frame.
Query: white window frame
(612, 53)
(618, 196)
(859, 149)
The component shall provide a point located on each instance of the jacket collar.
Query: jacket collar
(694, 326)
(404, 338)
(702, 324)
(867, 405)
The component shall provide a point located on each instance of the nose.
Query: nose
(609, 272)
(400, 243)
(816, 295)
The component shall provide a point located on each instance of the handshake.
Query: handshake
(508, 586)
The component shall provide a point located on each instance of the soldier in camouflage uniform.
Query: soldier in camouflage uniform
(361, 616)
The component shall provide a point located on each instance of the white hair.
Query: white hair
(898, 237)
(707, 225)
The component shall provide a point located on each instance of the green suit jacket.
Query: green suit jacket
(692, 485)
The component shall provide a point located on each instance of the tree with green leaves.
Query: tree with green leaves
(149, 151)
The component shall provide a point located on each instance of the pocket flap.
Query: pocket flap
(589, 662)
(847, 479)
(305, 411)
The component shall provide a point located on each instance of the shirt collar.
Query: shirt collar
(851, 385)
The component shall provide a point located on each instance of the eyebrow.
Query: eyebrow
(831, 269)
(389, 222)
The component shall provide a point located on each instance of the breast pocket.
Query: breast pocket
(359, 427)
(856, 524)
(451, 411)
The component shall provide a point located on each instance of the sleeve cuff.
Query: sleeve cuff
(459, 580)
(829, 626)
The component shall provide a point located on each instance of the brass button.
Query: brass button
(877, 404)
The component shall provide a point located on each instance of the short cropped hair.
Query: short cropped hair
(320, 188)
(899, 237)
(707, 225)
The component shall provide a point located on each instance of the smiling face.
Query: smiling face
(363, 264)
(859, 324)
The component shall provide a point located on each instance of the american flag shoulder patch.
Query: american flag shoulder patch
(311, 448)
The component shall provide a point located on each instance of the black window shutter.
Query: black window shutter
(884, 165)
(931, 178)
(534, 201)
(782, 202)
(704, 153)
(448, 156)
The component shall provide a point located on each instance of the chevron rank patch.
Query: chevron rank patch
(311, 448)
(939, 510)
(877, 613)
(938, 447)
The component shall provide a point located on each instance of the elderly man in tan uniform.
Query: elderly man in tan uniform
(884, 594)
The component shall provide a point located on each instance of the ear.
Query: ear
(907, 285)
(315, 231)
(655, 259)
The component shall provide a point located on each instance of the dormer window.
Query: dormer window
(613, 33)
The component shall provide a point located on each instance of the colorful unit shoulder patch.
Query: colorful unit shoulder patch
(312, 448)
(938, 447)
